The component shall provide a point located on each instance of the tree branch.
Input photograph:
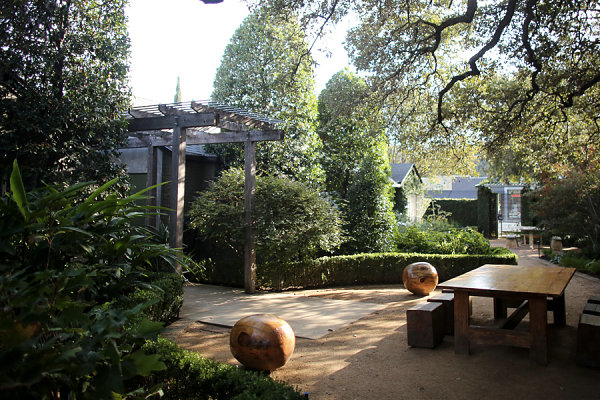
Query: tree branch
(474, 70)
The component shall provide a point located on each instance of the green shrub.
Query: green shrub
(379, 268)
(414, 238)
(190, 376)
(369, 214)
(291, 221)
(577, 261)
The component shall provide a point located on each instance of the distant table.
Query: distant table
(530, 231)
(531, 289)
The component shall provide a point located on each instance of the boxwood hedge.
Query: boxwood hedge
(188, 375)
(375, 268)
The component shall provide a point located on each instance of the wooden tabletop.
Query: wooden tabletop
(497, 278)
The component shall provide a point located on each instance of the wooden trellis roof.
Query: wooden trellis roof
(196, 114)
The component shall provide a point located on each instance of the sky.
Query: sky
(187, 38)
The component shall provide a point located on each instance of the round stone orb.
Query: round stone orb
(420, 278)
(262, 342)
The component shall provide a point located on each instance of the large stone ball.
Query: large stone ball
(420, 278)
(262, 342)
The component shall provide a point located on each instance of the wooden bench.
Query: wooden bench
(588, 341)
(425, 324)
(591, 308)
(447, 301)
(594, 299)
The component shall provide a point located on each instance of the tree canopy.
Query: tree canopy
(520, 78)
(266, 68)
(350, 127)
(63, 70)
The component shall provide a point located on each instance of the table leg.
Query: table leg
(531, 240)
(538, 320)
(559, 310)
(499, 308)
(461, 322)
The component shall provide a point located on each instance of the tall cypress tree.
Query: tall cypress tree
(177, 97)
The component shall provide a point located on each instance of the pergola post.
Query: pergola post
(177, 190)
(249, 192)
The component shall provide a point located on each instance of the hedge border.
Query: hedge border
(376, 268)
(188, 375)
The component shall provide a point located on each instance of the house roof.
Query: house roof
(455, 187)
(401, 171)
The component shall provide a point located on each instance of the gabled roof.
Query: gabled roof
(454, 187)
(401, 171)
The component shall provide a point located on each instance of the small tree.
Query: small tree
(292, 222)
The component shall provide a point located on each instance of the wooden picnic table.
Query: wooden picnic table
(531, 289)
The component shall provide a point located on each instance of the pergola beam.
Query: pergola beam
(188, 120)
(165, 138)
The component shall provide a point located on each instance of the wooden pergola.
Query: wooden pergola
(198, 123)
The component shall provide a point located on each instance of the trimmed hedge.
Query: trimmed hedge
(168, 296)
(188, 375)
(463, 211)
(377, 268)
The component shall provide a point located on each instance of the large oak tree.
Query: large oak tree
(487, 71)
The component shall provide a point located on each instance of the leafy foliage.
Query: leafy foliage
(577, 261)
(569, 206)
(68, 265)
(350, 128)
(514, 81)
(369, 212)
(266, 68)
(418, 239)
(292, 222)
(355, 162)
(63, 71)
(165, 296)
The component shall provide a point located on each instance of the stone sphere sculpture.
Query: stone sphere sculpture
(262, 342)
(420, 278)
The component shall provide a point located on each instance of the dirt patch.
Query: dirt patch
(370, 358)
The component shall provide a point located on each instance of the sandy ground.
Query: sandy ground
(370, 358)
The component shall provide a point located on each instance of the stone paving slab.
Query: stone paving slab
(309, 317)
